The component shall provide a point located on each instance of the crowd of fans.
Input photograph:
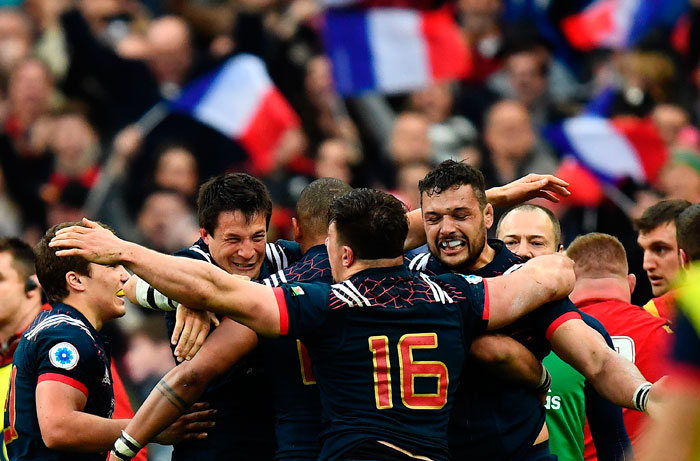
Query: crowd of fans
(83, 133)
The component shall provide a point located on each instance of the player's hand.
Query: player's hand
(526, 188)
(93, 242)
(191, 329)
(190, 426)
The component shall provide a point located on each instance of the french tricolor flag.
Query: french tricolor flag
(240, 100)
(619, 23)
(613, 149)
(393, 50)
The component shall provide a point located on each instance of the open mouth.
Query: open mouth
(120, 293)
(244, 267)
(452, 245)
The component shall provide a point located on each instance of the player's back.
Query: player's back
(296, 398)
(387, 348)
(641, 338)
(59, 345)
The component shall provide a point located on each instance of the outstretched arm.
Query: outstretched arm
(521, 190)
(184, 384)
(197, 284)
(539, 281)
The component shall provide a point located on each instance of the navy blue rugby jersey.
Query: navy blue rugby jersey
(241, 396)
(387, 348)
(493, 418)
(295, 393)
(60, 345)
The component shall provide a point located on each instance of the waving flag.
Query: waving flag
(624, 147)
(393, 50)
(239, 100)
(619, 23)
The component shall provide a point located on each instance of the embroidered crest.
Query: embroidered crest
(64, 355)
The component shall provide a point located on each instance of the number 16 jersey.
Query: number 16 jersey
(387, 349)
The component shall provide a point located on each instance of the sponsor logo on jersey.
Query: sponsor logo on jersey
(297, 291)
(64, 355)
(473, 279)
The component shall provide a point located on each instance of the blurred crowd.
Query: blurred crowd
(83, 131)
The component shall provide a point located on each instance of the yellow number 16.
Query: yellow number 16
(409, 370)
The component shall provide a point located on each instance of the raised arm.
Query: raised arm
(539, 281)
(519, 191)
(197, 284)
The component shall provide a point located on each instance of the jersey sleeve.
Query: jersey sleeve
(552, 315)
(68, 355)
(303, 307)
(475, 306)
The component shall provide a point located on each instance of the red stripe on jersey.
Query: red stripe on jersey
(559, 322)
(65, 380)
(282, 306)
(485, 315)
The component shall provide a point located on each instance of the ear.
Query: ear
(31, 286)
(204, 235)
(75, 281)
(632, 282)
(488, 216)
(296, 228)
(685, 261)
(348, 256)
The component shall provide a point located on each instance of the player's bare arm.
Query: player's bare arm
(64, 426)
(614, 377)
(184, 384)
(507, 358)
(539, 281)
(528, 187)
(197, 284)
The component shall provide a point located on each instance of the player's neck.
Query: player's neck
(81, 304)
(608, 288)
(19, 322)
(360, 265)
(307, 243)
(487, 255)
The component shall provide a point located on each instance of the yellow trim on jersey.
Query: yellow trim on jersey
(651, 308)
(689, 296)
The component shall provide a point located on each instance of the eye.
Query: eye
(510, 242)
(538, 244)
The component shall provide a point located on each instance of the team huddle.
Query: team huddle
(376, 335)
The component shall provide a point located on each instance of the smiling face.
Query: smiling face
(660, 256)
(528, 233)
(237, 244)
(104, 287)
(455, 226)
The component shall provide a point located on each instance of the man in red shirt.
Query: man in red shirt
(603, 289)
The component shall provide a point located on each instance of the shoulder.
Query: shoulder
(64, 337)
(199, 250)
(281, 254)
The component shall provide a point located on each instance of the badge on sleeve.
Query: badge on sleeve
(297, 291)
(64, 355)
(473, 279)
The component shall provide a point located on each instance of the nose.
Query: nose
(124, 275)
(246, 250)
(447, 226)
(649, 262)
(524, 251)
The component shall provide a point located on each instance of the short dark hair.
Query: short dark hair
(688, 232)
(664, 212)
(556, 226)
(371, 222)
(22, 255)
(51, 269)
(314, 204)
(232, 192)
(451, 174)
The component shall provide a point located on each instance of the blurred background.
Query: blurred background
(119, 109)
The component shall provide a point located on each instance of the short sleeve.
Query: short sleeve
(304, 307)
(68, 355)
(552, 315)
(475, 305)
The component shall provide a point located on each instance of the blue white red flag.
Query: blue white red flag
(393, 50)
(612, 149)
(240, 100)
(619, 24)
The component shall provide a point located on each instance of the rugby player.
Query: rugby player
(572, 404)
(61, 399)
(375, 315)
(234, 212)
(490, 422)
(657, 237)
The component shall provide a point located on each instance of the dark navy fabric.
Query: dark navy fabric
(60, 345)
(387, 348)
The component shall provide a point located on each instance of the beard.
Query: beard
(473, 247)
